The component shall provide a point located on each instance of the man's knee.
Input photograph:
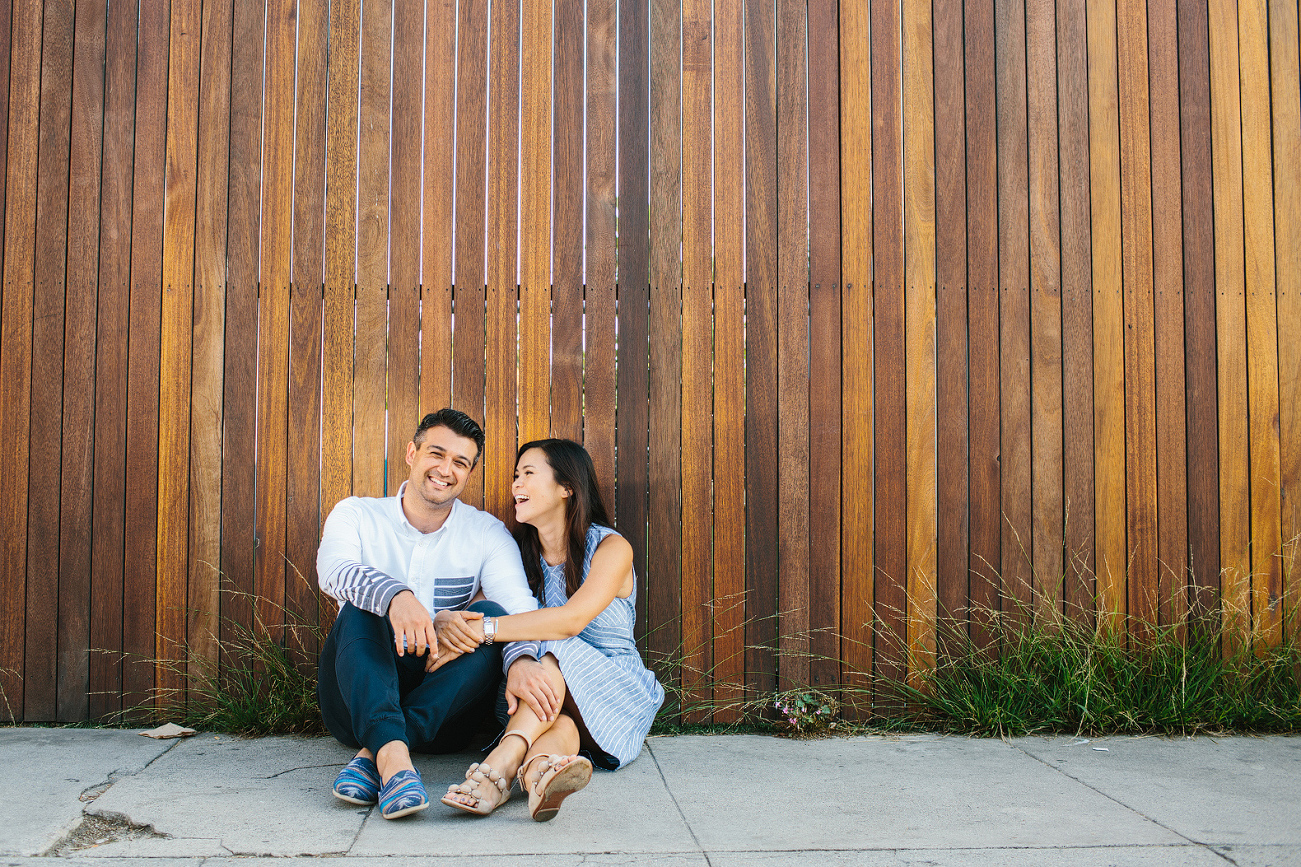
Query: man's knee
(487, 608)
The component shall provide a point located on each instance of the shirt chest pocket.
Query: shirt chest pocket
(452, 592)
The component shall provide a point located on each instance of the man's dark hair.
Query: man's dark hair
(457, 422)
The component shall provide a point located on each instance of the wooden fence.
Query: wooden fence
(869, 313)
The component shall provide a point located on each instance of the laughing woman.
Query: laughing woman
(602, 699)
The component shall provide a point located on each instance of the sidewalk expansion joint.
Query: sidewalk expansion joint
(1121, 803)
(677, 806)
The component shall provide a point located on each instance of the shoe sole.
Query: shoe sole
(570, 779)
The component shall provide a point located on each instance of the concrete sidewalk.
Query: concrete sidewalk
(692, 800)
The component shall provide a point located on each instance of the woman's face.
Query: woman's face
(538, 497)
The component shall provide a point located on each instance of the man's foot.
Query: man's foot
(403, 794)
(358, 782)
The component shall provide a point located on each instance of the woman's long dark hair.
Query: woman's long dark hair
(572, 467)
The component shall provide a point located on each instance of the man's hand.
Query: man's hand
(527, 681)
(411, 622)
(461, 631)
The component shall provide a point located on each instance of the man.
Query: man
(400, 671)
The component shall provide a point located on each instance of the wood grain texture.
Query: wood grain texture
(45, 434)
(114, 262)
(139, 611)
(1199, 309)
(1108, 316)
(176, 349)
(535, 223)
(919, 330)
(986, 511)
(1047, 500)
(437, 232)
(890, 441)
(86, 141)
(1168, 315)
(727, 614)
(1285, 70)
(371, 317)
(567, 208)
(238, 535)
(1077, 308)
(502, 299)
(632, 479)
(952, 395)
(856, 509)
(340, 254)
(206, 416)
(1015, 451)
(825, 334)
(697, 433)
(1262, 328)
(664, 517)
(404, 238)
(792, 347)
(1230, 328)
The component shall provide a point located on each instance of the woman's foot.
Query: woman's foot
(549, 779)
(487, 784)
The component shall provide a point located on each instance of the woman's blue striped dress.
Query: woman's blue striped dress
(615, 692)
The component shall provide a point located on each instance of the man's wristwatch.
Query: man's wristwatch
(489, 630)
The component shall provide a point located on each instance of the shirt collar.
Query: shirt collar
(401, 516)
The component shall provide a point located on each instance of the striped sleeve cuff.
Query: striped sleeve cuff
(515, 650)
(382, 594)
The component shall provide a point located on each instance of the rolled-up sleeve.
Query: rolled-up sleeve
(341, 573)
(504, 582)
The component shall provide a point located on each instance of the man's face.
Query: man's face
(440, 465)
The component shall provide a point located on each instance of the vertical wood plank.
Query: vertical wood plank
(633, 481)
(1262, 327)
(1284, 74)
(238, 534)
(340, 253)
(567, 205)
(471, 153)
(138, 616)
(438, 232)
(919, 329)
(1230, 327)
(599, 365)
(986, 511)
(503, 263)
(856, 547)
(1136, 268)
(1015, 453)
(16, 340)
(824, 344)
(1077, 307)
(727, 627)
(1047, 506)
(1168, 314)
(891, 530)
(109, 518)
(303, 488)
(535, 221)
(176, 349)
(664, 569)
(206, 415)
(1199, 308)
(951, 381)
(1108, 315)
(404, 256)
(793, 345)
(47, 335)
(371, 334)
(77, 483)
(697, 353)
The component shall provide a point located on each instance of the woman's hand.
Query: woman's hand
(461, 631)
(528, 681)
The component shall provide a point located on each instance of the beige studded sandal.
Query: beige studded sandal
(556, 783)
(478, 779)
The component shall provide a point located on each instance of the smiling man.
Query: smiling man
(398, 672)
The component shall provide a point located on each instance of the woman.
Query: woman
(582, 572)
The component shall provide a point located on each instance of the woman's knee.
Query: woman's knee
(565, 727)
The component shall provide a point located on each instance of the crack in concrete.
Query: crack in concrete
(677, 806)
(303, 768)
(1115, 800)
(96, 829)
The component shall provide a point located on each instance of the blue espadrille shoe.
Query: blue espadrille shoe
(358, 782)
(402, 795)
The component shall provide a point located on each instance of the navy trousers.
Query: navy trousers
(370, 696)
